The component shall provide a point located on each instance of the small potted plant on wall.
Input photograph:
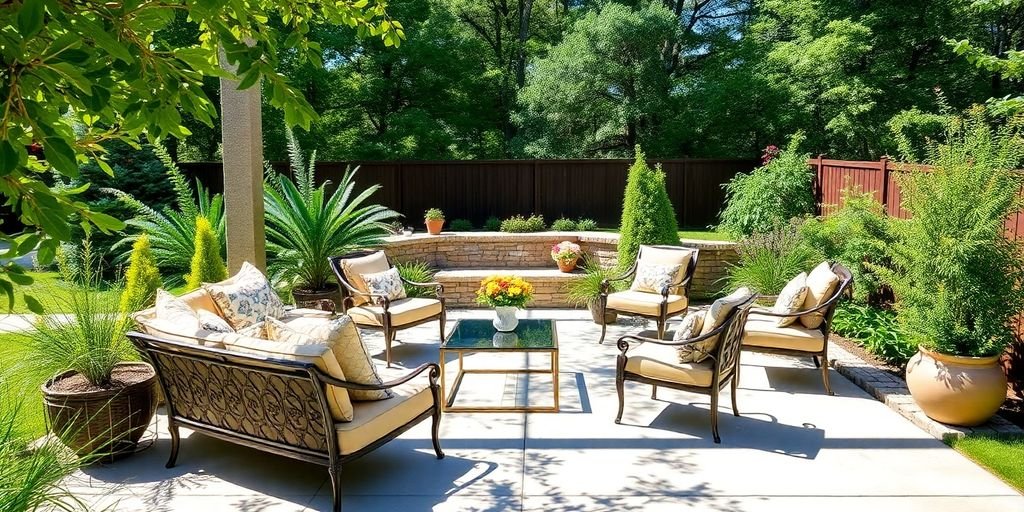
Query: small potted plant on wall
(434, 218)
(955, 275)
(566, 254)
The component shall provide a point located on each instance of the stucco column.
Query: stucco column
(242, 137)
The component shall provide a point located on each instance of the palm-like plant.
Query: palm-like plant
(172, 232)
(306, 224)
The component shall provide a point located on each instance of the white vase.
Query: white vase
(505, 318)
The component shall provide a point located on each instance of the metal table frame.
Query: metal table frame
(447, 402)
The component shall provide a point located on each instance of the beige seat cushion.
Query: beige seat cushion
(354, 268)
(374, 420)
(821, 284)
(167, 330)
(644, 303)
(763, 331)
(403, 312)
(662, 362)
(341, 335)
(667, 256)
(304, 349)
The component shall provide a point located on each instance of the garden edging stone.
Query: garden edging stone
(893, 392)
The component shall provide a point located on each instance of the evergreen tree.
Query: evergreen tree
(647, 214)
(142, 278)
(207, 264)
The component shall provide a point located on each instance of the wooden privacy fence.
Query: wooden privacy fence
(880, 178)
(478, 189)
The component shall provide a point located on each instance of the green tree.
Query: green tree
(142, 278)
(603, 89)
(207, 263)
(83, 73)
(647, 214)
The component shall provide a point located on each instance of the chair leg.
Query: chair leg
(389, 335)
(335, 471)
(714, 416)
(654, 392)
(619, 385)
(661, 328)
(817, 362)
(735, 384)
(824, 377)
(604, 327)
(172, 427)
(441, 327)
(434, 429)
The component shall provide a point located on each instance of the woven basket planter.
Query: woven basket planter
(327, 300)
(104, 423)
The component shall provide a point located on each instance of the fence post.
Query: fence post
(884, 161)
(818, 191)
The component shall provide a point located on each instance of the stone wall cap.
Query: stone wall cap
(553, 236)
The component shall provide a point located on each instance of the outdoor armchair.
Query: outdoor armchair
(657, 305)
(655, 361)
(763, 334)
(375, 311)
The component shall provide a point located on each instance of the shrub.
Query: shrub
(771, 194)
(142, 278)
(492, 224)
(955, 276)
(520, 224)
(417, 272)
(461, 225)
(876, 329)
(207, 264)
(563, 224)
(856, 236)
(647, 214)
(767, 261)
(586, 225)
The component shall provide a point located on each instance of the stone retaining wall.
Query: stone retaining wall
(509, 252)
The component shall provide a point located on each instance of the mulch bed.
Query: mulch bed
(1012, 409)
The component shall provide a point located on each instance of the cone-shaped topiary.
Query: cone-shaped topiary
(207, 265)
(142, 278)
(647, 214)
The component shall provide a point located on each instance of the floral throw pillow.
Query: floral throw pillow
(652, 277)
(387, 283)
(211, 321)
(690, 328)
(791, 299)
(246, 298)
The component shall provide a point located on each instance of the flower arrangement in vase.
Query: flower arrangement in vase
(505, 294)
(566, 254)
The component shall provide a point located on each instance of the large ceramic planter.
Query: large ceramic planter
(326, 299)
(106, 423)
(505, 319)
(956, 390)
(434, 226)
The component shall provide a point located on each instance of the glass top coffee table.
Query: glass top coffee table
(471, 336)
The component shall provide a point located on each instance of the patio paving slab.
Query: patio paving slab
(792, 448)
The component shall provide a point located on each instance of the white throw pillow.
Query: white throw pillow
(690, 328)
(175, 311)
(652, 277)
(387, 283)
(342, 336)
(246, 298)
(791, 299)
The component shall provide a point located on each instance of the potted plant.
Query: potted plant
(434, 219)
(955, 276)
(505, 294)
(99, 399)
(566, 254)
(306, 224)
(586, 289)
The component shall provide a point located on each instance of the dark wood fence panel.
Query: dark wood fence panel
(478, 189)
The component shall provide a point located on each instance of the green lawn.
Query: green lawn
(19, 386)
(52, 292)
(1003, 456)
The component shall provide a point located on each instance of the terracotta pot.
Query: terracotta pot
(327, 299)
(956, 390)
(595, 312)
(566, 266)
(106, 423)
(434, 226)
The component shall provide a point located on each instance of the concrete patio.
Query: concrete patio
(793, 448)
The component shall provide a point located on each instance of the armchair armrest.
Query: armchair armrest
(606, 282)
(438, 287)
(435, 371)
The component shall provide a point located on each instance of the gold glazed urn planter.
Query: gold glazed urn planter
(956, 390)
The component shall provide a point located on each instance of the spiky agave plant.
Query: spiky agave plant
(172, 231)
(305, 224)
